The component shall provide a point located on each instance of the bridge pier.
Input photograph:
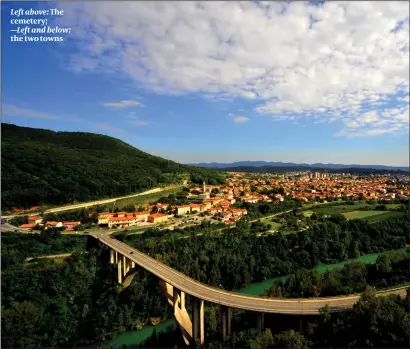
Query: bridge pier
(179, 299)
(119, 270)
(112, 257)
(182, 316)
(126, 265)
(226, 317)
(260, 321)
(198, 320)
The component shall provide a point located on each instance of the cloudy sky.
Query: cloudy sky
(221, 81)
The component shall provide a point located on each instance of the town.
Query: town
(221, 203)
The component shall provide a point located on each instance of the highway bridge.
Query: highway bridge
(176, 285)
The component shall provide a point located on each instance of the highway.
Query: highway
(94, 203)
(306, 306)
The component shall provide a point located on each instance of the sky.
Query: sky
(220, 81)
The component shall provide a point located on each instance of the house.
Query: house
(121, 222)
(227, 215)
(142, 216)
(70, 225)
(239, 212)
(158, 218)
(27, 226)
(250, 199)
(158, 206)
(35, 220)
(103, 217)
(53, 224)
(216, 201)
(195, 207)
(183, 209)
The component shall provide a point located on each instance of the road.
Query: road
(95, 203)
(272, 215)
(307, 306)
(49, 256)
(8, 228)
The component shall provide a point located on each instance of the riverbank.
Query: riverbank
(132, 338)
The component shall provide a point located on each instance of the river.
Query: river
(132, 338)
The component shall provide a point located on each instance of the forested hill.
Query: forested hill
(46, 167)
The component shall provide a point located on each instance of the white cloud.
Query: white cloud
(15, 111)
(240, 119)
(349, 61)
(123, 104)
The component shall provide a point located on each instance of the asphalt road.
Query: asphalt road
(307, 306)
(95, 203)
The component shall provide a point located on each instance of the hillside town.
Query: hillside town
(217, 201)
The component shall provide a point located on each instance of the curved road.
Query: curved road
(309, 306)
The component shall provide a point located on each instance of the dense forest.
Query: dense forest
(47, 167)
(390, 269)
(239, 256)
(16, 247)
(47, 305)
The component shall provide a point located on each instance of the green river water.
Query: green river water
(132, 338)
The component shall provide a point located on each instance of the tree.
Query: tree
(263, 340)
(16, 323)
(292, 340)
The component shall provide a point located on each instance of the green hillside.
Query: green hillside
(46, 167)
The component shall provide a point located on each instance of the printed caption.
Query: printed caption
(32, 26)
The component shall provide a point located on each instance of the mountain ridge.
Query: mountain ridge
(218, 165)
(41, 166)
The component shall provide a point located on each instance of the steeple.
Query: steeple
(204, 187)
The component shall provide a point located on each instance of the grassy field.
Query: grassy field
(146, 199)
(274, 226)
(362, 214)
(385, 215)
(358, 211)
(348, 208)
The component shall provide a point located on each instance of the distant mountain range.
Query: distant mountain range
(295, 165)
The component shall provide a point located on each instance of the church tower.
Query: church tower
(204, 188)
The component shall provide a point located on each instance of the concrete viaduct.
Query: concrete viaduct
(176, 286)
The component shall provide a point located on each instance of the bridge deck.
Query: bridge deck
(308, 306)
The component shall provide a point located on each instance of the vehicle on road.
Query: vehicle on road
(132, 252)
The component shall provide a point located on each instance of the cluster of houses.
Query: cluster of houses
(126, 219)
(319, 187)
(34, 221)
(160, 213)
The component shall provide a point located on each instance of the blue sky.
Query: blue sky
(221, 81)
